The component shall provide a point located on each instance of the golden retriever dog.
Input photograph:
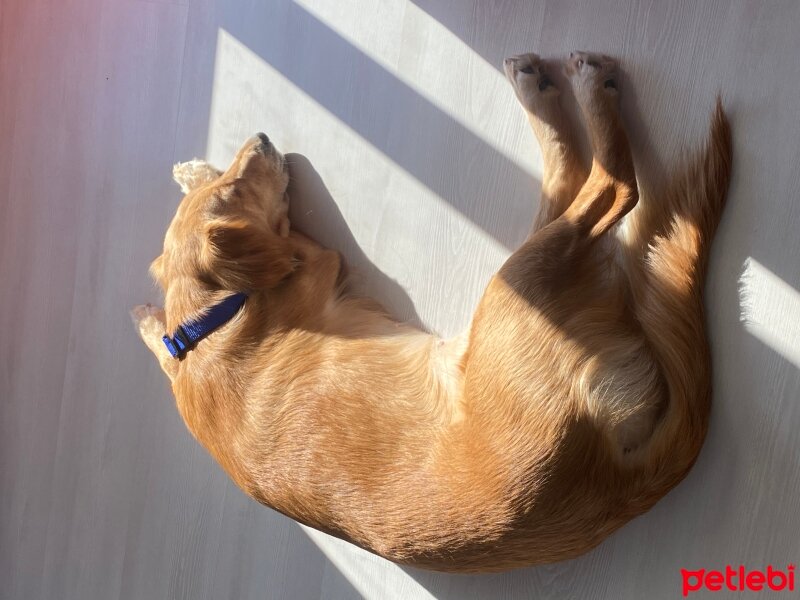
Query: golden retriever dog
(578, 397)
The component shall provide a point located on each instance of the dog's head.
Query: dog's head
(230, 231)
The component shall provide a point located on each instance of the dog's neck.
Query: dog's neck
(187, 299)
(189, 333)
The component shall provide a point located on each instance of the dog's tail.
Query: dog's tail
(670, 306)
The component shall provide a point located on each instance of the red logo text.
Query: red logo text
(738, 580)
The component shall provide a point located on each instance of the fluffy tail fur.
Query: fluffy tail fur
(670, 307)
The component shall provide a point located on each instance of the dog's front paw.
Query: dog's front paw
(593, 76)
(528, 75)
(149, 320)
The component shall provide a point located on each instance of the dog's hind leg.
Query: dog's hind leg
(609, 192)
(564, 173)
(561, 298)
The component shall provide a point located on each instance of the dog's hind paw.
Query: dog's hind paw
(591, 74)
(533, 86)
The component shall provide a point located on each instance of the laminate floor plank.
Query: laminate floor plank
(410, 155)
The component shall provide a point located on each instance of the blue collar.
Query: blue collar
(188, 334)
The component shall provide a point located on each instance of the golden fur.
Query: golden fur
(578, 398)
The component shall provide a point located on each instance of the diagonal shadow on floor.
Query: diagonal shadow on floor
(391, 116)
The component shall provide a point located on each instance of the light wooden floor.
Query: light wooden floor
(417, 163)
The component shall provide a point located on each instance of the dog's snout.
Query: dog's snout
(263, 137)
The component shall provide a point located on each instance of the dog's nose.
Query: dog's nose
(263, 137)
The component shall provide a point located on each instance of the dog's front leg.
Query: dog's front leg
(151, 325)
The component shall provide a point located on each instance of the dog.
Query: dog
(578, 397)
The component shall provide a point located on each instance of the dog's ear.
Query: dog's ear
(194, 173)
(242, 256)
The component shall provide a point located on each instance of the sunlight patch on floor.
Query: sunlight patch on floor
(446, 71)
(360, 568)
(376, 196)
(767, 304)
